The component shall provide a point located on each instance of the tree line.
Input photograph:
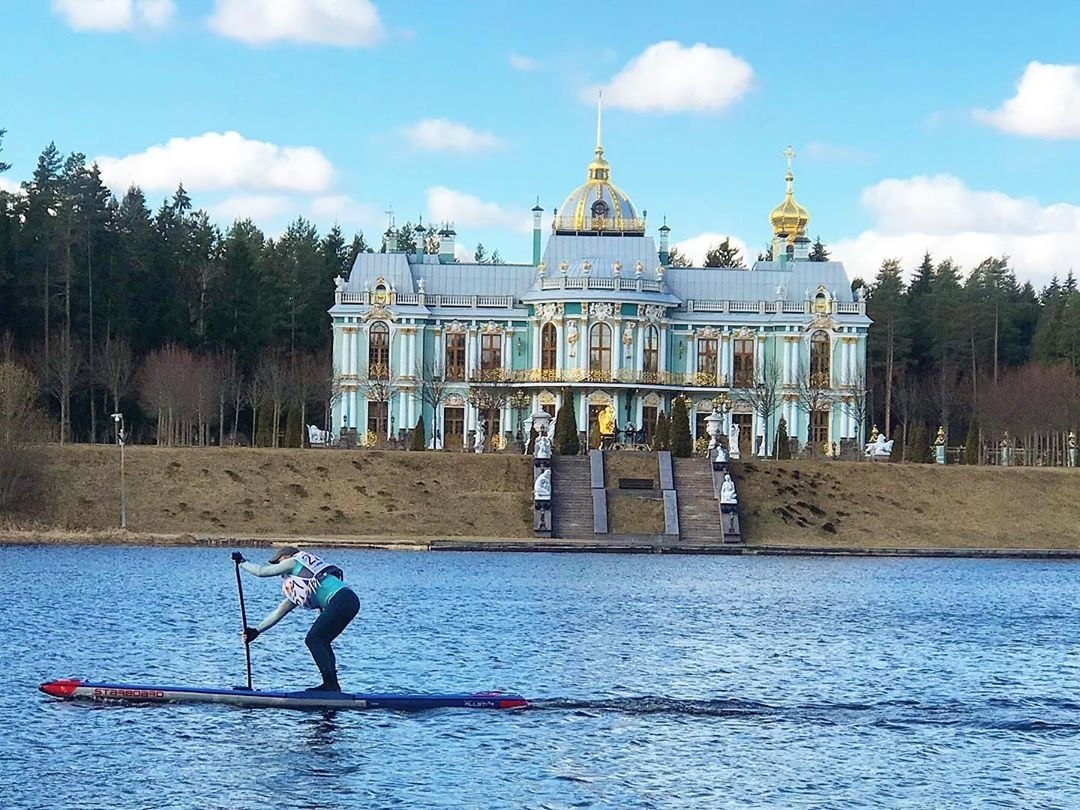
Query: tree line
(98, 295)
(976, 353)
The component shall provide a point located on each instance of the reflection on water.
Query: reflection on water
(656, 682)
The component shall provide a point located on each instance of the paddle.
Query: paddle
(243, 623)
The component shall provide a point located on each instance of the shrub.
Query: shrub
(22, 426)
(918, 449)
(783, 444)
(294, 431)
(662, 434)
(419, 436)
(681, 443)
(566, 435)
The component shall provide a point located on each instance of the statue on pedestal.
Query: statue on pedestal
(478, 439)
(727, 491)
(542, 446)
(542, 488)
(879, 448)
(733, 440)
(1071, 457)
(606, 421)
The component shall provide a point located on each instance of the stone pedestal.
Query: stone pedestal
(939, 453)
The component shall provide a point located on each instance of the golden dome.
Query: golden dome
(598, 206)
(789, 217)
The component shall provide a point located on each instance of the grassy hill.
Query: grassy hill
(330, 493)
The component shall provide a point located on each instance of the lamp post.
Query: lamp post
(121, 437)
(519, 401)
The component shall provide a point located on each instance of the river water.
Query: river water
(657, 681)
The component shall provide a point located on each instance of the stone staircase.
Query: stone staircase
(699, 515)
(571, 497)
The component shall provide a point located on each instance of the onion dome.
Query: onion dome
(789, 219)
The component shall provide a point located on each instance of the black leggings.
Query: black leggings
(335, 617)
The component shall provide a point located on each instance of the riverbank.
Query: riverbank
(441, 501)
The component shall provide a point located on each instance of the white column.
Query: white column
(470, 353)
(691, 351)
(616, 350)
(664, 366)
(507, 345)
(348, 352)
(759, 356)
(538, 333)
(583, 413)
(584, 341)
(560, 350)
(413, 338)
(723, 368)
(439, 360)
(639, 338)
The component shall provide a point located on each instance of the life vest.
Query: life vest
(300, 588)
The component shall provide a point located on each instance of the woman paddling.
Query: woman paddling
(312, 583)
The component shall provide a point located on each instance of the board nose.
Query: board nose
(62, 688)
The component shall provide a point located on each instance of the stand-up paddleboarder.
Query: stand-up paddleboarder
(309, 582)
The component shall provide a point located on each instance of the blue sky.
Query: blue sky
(953, 127)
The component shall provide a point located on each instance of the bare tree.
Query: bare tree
(60, 373)
(813, 396)
(763, 396)
(229, 386)
(432, 387)
(906, 398)
(271, 371)
(305, 382)
(22, 426)
(115, 369)
(854, 400)
(488, 398)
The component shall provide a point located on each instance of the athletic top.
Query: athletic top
(291, 567)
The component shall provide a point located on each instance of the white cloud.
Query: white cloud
(941, 215)
(10, 186)
(220, 160)
(345, 23)
(524, 63)
(669, 77)
(115, 15)
(696, 247)
(442, 135)
(256, 207)
(464, 210)
(462, 253)
(1046, 104)
(344, 210)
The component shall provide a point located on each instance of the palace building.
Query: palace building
(599, 317)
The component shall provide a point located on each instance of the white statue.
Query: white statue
(478, 439)
(727, 490)
(420, 283)
(572, 337)
(316, 436)
(879, 448)
(542, 446)
(721, 454)
(628, 334)
(733, 439)
(780, 292)
(339, 283)
(542, 486)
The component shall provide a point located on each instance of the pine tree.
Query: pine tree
(818, 251)
(723, 255)
(971, 444)
(480, 256)
(662, 433)
(419, 437)
(294, 431)
(677, 259)
(918, 449)
(783, 445)
(682, 445)
(566, 433)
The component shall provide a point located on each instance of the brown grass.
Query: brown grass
(394, 495)
(879, 505)
(287, 492)
(630, 464)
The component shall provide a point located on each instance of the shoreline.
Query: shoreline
(526, 545)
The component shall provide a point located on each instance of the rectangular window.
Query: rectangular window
(377, 420)
(743, 362)
(706, 357)
(455, 356)
(648, 418)
(819, 429)
(490, 352)
(453, 428)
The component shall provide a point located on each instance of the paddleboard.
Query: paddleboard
(76, 689)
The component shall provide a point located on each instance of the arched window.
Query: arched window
(600, 350)
(819, 360)
(381, 294)
(707, 360)
(651, 350)
(549, 351)
(378, 353)
(821, 303)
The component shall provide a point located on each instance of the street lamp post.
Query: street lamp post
(121, 437)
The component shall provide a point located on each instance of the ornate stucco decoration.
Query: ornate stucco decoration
(455, 327)
(455, 400)
(820, 321)
(708, 332)
(602, 311)
(491, 328)
(547, 398)
(378, 312)
(549, 311)
(651, 312)
(743, 333)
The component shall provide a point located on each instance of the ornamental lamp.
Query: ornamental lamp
(540, 420)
